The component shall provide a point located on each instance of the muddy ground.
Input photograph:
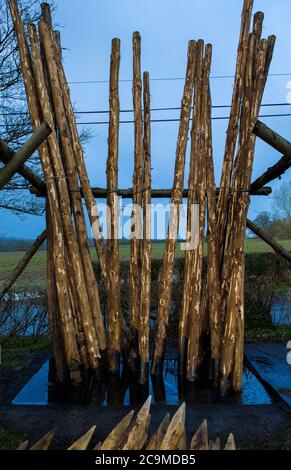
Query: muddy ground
(252, 425)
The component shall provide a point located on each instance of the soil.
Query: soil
(250, 424)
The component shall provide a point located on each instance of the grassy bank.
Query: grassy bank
(35, 275)
(10, 440)
(13, 350)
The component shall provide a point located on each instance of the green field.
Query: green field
(34, 276)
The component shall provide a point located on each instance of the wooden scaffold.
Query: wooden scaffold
(211, 327)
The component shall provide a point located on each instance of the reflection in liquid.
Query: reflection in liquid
(116, 391)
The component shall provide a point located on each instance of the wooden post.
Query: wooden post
(277, 247)
(101, 193)
(272, 138)
(197, 312)
(114, 307)
(59, 358)
(6, 154)
(14, 275)
(213, 293)
(72, 353)
(87, 192)
(135, 243)
(232, 346)
(86, 287)
(192, 183)
(232, 130)
(23, 154)
(165, 286)
(146, 244)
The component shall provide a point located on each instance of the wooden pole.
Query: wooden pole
(6, 154)
(55, 330)
(114, 307)
(275, 171)
(272, 138)
(277, 247)
(135, 244)
(232, 346)
(192, 186)
(101, 193)
(85, 188)
(146, 244)
(232, 131)
(196, 312)
(14, 275)
(213, 270)
(165, 286)
(87, 290)
(24, 153)
(70, 344)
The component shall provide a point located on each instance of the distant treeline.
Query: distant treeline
(15, 244)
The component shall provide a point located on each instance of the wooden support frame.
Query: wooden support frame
(24, 153)
(14, 275)
(102, 193)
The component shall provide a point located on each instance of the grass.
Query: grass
(10, 440)
(35, 275)
(14, 349)
(275, 334)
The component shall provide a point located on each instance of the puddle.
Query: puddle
(38, 391)
(281, 312)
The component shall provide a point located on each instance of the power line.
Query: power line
(218, 118)
(172, 108)
(167, 79)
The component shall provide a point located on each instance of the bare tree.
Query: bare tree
(282, 208)
(15, 123)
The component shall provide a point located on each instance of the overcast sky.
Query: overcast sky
(166, 26)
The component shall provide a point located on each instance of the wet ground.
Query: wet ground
(123, 391)
(272, 364)
(252, 425)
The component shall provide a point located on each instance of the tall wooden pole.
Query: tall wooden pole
(87, 290)
(71, 348)
(23, 154)
(61, 180)
(146, 244)
(213, 270)
(196, 310)
(135, 243)
(192, 186)
(14, 275)
(87, 192)
(114, 307)
(166, 280)
(232, 130)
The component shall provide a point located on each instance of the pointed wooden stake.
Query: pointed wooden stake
(156, 439)
(83, 442)
(230, 444)
(44, 442)
(175, 430)
(112, 441)
(200, 438)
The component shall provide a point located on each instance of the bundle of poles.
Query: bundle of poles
(211, 326)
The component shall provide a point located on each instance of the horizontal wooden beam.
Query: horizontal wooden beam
(14, 161)
(272, 138)
(279, 249)
(14, 275)
(101, 193)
